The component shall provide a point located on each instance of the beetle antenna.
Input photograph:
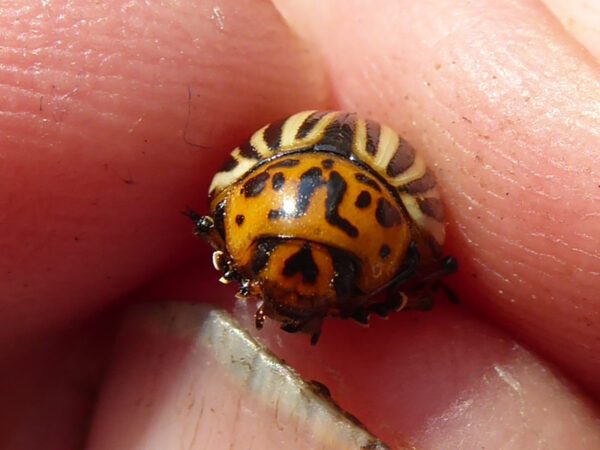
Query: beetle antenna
(450, 294)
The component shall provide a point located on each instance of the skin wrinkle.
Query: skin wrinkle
(580, 18)
(484, 91)
(524, 189)
(567, 245)
(487, 269)
(506, 156)
(516, 246)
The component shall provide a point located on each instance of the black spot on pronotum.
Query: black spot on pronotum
(255, 185)
(248, 151)
(373, 130)
(363, 200)
(309, 182)
(229, 164)
(327, 163)
(309, 123)
(262, 253)
(432, 207)
(384, 251)
(274, 214)
(420, 185)
(386, 214)
(362, 178)
(285, 163)
(272, 134)
(302, 262)
(278, 181)
(403, 158)
(239, 219)
(336, 189)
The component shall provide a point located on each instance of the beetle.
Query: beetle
(318, 214)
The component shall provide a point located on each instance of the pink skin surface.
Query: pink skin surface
(116, 114)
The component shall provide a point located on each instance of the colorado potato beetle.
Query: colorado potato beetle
(320, 213)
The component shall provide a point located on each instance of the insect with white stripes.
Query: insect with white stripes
(318, 214)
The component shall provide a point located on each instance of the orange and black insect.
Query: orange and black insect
(318, 214)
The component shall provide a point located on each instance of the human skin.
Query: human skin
(116, 115)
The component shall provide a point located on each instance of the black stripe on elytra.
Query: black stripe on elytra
(362, 178)
(309, 123)
(302, 262)
(309, 182)
(363, 200)
(248, 151)
(285, 163)
(262, 253)
(336, 189)
(338, 136)
(403, 158)
(432, 207)
(423, 184)
(278, 181)
(373, 131)
(327, 163)
(272, 134)
(229, 164)
(385, 251)
(346, 270)
(386, 214)
(219, 219)
(255, 185)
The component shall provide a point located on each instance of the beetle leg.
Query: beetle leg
(450, 294)
(311, 326)
(448, 267)
(231, 275)
(204, 224)
(220, 261)
(360, 315)
(395, 301)
(314, 338)
(259, 317)
(410, 266)
(408, 271)
(204, 227)
(244, 290)
(290, 327)
(423, 302)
